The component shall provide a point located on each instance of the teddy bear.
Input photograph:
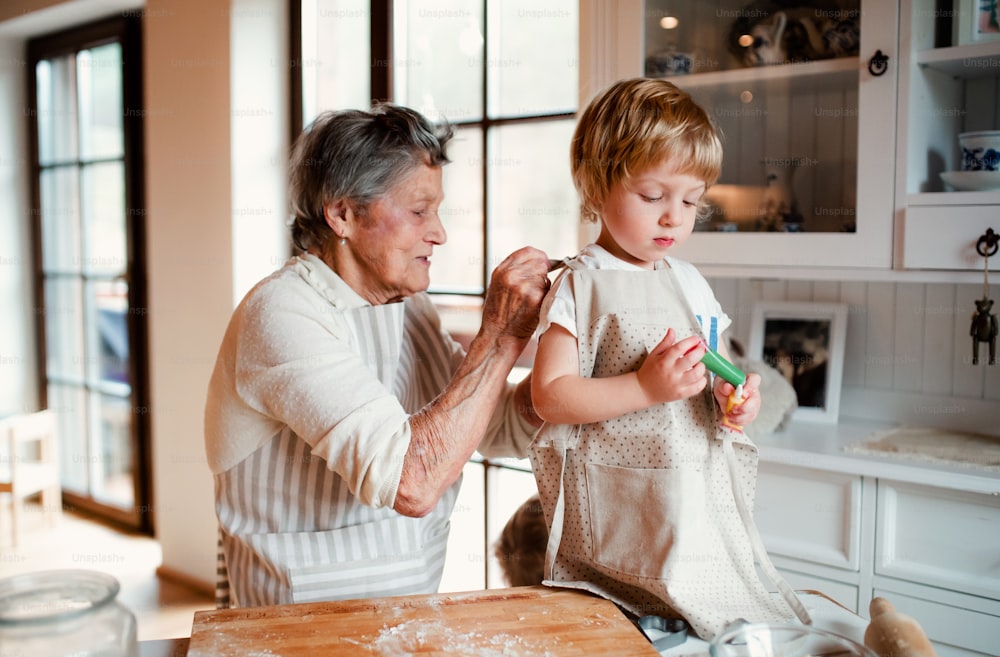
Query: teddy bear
(984, 329)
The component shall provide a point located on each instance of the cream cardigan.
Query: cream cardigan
(287, 359)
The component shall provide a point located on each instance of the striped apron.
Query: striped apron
(291, 529)
(650, 509)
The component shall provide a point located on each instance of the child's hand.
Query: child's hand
(745, 412)
(673, 370)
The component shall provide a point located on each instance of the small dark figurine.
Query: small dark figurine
(788, 31)
(984, 329)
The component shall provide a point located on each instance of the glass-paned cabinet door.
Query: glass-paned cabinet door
(806, 110)
(949, 82)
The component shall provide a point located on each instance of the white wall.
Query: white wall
(190, 262)
(215, 143)
(908, 356)
(259, 144)
(17, 353)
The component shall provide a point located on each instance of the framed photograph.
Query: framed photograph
(975, 21)
(805, 342)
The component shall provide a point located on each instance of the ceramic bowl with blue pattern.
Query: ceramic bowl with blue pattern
(980, 150)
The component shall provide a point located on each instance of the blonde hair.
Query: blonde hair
(635, 124)
(521, 546)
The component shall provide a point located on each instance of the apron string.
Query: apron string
(759, 551)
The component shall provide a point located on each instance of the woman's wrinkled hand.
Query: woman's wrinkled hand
(515, 294)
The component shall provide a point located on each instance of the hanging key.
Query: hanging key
(984, 323)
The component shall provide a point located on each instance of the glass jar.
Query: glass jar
(63, 613)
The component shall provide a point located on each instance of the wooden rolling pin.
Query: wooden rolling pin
(892, 634)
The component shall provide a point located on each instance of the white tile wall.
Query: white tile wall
(903, 339)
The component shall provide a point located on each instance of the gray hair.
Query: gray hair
(357, 156)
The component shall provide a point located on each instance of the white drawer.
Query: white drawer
(955, 632)
(808, 514)
(944, 237)
(959, 550)
(845, 594)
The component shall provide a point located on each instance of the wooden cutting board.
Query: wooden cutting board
(531, 620)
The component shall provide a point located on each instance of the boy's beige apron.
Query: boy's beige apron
(650, 509)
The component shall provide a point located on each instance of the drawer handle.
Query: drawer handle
(878, 64)
(988, 243)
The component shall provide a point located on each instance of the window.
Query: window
(504, 73)
(87, 221)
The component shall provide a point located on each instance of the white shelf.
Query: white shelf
(845, 274)
(991, 197)
(972, 61)
(805, 75)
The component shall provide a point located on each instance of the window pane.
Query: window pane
(102, 198)
(56, 82)
(61, 250)
(532, 65)
(70, 406)
(107, 335)
(533, 202)
(99, 72)
(506, 490)
(438, 68)
(465, 565)
(65, 356)
(335, 34)
(458, 264)
(111, 451)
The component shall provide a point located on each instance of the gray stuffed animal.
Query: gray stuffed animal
(777, 396)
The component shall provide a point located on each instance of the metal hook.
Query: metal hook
(988, 243)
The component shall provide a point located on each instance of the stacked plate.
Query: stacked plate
(972, 180)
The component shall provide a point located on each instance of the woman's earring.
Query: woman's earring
(343, 241)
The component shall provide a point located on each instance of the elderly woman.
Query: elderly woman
(340, 414)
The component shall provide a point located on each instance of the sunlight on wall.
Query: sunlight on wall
(259, 140)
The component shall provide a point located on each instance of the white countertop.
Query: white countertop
(821, 446)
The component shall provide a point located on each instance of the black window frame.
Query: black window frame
(126, 29)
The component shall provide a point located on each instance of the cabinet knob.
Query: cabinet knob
(878, 64)
(988, 243)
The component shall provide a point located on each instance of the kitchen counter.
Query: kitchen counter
(164, 647)
(382, 626)
(524, 620)
(822, 446)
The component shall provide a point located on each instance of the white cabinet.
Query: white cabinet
(820, 522)
(945, 87)
(796, 134)
(934, 552)
(812, 522)
(944, 538)
(855, 147)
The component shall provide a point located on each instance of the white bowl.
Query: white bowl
(980, 150)
(972, 180)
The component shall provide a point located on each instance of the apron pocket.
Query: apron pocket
(386, 575)
(636, 515)
(391, 556)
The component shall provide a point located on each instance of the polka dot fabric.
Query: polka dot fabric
(647, 516)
